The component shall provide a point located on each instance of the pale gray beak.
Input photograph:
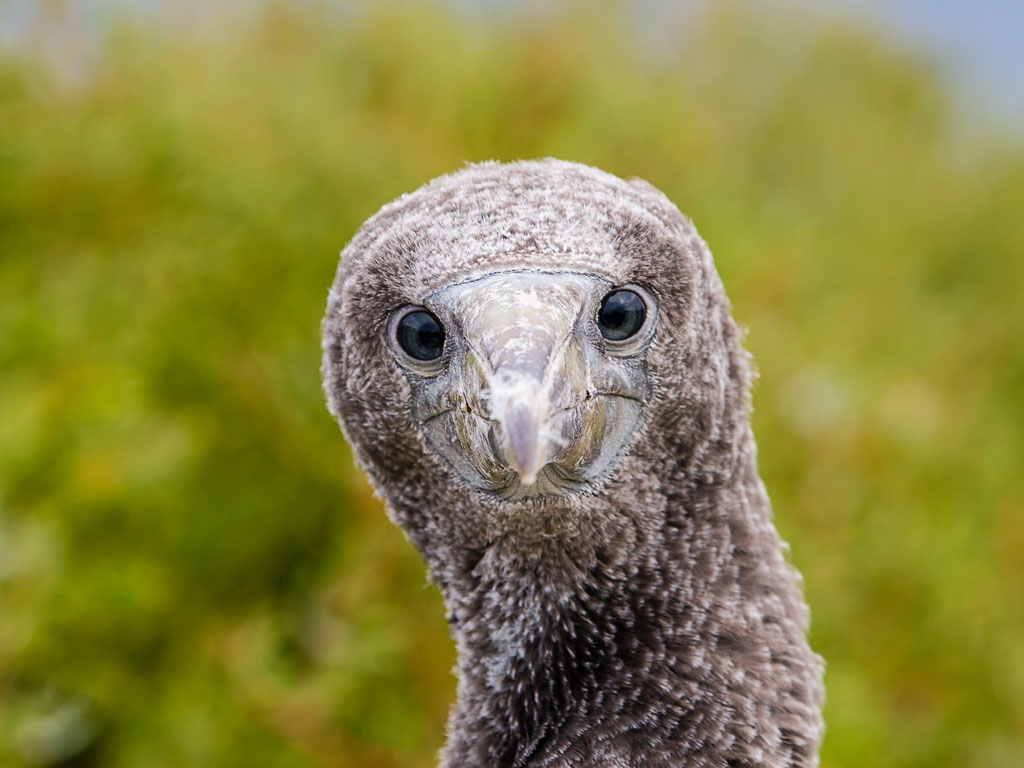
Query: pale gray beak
(528, 404)
(522, 365)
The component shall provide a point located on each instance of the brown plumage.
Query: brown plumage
(589, 505)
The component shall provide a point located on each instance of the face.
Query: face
(527, 383)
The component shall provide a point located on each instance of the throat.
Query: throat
(543, 638)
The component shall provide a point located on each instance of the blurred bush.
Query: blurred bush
(191, 571)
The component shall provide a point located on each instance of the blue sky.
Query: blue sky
(980, 45)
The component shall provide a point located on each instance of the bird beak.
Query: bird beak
(523, 371)
(521, 423)
(518, 404)
(528, 403)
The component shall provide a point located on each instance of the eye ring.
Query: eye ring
(626, 319)
(417, 338)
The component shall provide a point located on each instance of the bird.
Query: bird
(537, 366)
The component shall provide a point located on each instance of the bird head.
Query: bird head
(526, 336)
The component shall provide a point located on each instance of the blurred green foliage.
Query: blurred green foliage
(191, 571)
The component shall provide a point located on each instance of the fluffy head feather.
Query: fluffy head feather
(647, 615)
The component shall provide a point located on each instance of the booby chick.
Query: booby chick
(537, 366)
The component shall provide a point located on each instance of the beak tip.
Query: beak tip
(528, 478)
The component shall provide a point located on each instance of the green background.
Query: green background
(192, 573)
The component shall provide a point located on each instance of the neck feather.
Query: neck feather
(683, 629)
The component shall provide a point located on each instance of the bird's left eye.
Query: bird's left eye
(420, 335)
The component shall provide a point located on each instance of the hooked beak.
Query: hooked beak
(521, 425)
(520, 414)
(523, 368)
(529, 405)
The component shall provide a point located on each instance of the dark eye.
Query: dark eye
(421, 335)
(622, 314)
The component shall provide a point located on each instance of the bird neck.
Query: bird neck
(602, 629)
(540, 637)
(672, 629)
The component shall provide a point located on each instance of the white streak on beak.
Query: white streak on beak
(520, 406)
(528, 405)
(519, 327)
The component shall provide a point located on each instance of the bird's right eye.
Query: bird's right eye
(420, 335)
(622, 314)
